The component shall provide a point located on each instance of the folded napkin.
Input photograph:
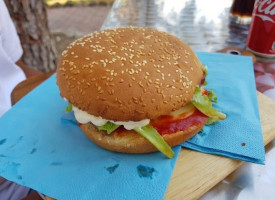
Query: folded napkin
(240, 135)
(42, 149)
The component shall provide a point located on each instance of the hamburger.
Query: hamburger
(136, 90)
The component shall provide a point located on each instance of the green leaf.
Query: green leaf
(205, 70)
(212, 96)
(109, 127)
(152, 135)
(204, 104)
(211, 121)
(205, 83)
(69, 108)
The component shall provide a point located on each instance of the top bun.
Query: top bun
(128, 74)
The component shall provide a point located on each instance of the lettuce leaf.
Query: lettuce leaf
(205, 71)
(69, 108)
(212, 96)
(211, 121)
(149, 132)
(204, 104)
(109, 127)
(152, 135)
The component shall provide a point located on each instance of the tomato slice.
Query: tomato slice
(168, 124)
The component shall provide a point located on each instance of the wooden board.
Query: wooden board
(28, 85)
(195, 173)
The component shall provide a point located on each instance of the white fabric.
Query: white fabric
(10, 52)
(10, 76)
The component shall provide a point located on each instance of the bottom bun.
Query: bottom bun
(129, 141)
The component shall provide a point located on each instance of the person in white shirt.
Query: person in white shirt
(12, 71)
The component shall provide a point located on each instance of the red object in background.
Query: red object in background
(261, 38)
(265, 78)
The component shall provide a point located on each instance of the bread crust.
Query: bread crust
(129, 141)
(128, 74)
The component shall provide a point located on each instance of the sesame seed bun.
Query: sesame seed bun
(129, 141)
(128, 74)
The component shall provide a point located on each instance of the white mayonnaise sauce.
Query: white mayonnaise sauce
(83, 117)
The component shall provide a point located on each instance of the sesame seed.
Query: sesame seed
(141, 46)
(158, 91)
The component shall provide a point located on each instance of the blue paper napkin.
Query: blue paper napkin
(42, 149)
(240, 135)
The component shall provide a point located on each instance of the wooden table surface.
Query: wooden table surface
(195, 173)
(27, 85)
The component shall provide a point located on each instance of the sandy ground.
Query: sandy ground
(69, 23)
